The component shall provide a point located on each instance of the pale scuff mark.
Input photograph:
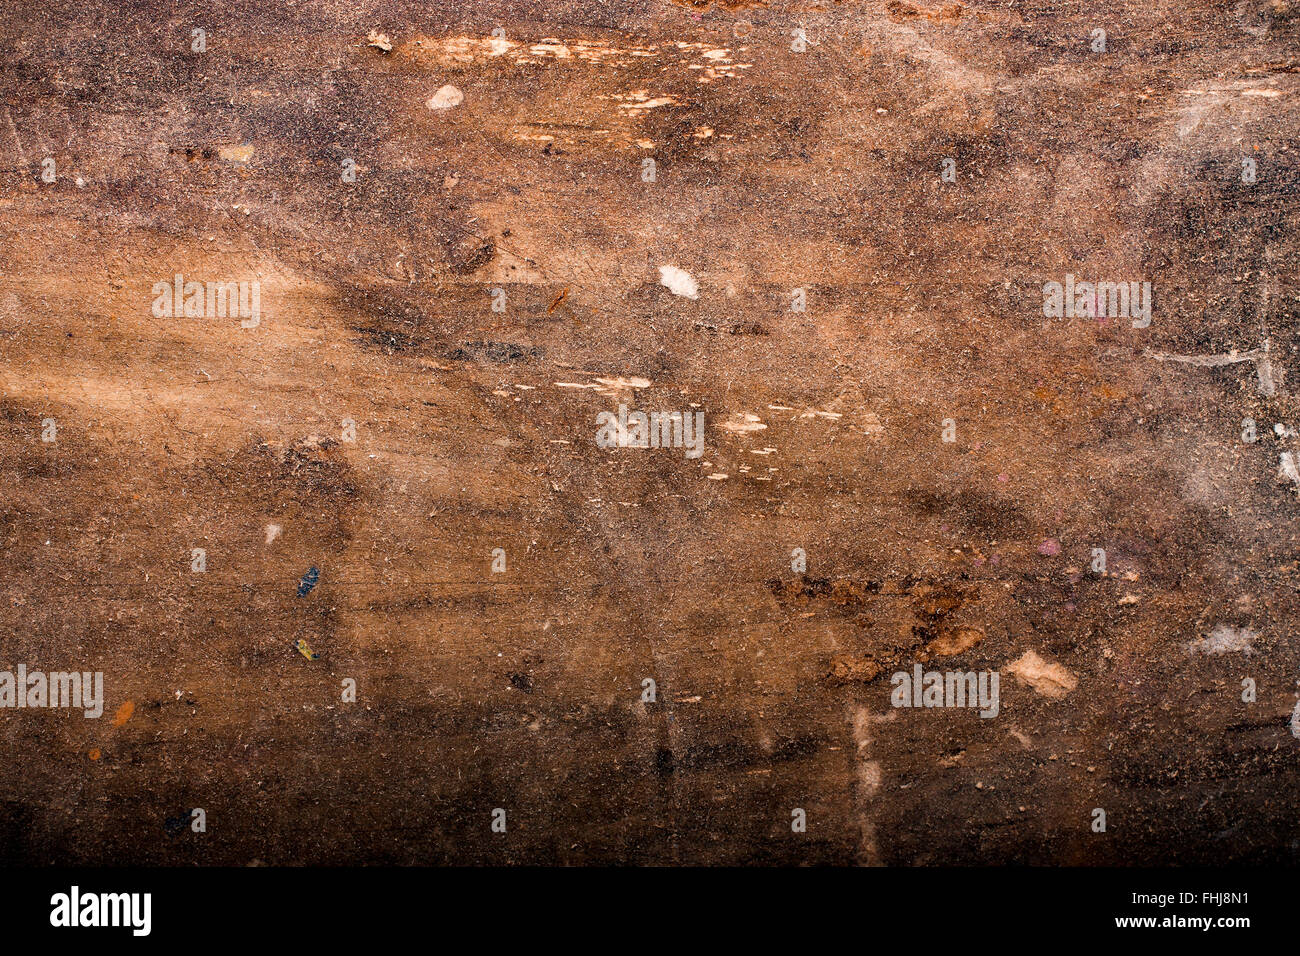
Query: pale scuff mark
(1286, 469)
(1048, 679)
(617, 387)
(466, 49)
(18, 144)
(958, 89)
(1263, 368)
(614, 387)
(447, 97)
(241, 153)
(1207, 118)
(641, 100)
(1225, 640)
(869, 779)
(742, 422)
(551, 47)
(462, 49)
(869, 422)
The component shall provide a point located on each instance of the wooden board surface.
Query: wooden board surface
(437, 335)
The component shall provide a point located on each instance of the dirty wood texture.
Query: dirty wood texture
(382, 422)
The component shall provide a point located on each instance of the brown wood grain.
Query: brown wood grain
(775, 170)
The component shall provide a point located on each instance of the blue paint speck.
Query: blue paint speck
(308, 582)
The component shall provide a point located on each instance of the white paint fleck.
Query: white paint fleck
(678, 282)
(446, 97)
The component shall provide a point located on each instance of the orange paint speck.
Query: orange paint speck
(124, 713)
(94, 754)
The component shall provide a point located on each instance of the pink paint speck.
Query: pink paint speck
(1050, 547)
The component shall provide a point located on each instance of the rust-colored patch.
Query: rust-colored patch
(124, 713)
